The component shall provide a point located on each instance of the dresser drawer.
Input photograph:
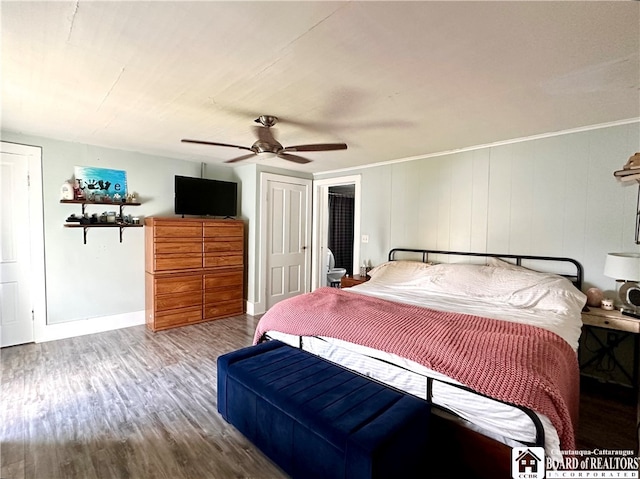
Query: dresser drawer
(169, 262)
(222, 293)
(212, 260)
(177, 317)
(223, 228)
(231, 278)
(167, 302)
(178, 284)
(222, 309)
(222, 245)
(177, 247)
(170, 229)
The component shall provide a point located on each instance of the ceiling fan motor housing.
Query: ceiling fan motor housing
(266, 147)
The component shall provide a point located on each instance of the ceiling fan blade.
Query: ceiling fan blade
(240, 158)
(264, 134)
(200, 142)
(317, 147)
(294, 158)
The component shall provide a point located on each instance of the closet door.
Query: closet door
(288, 238)
(16, 322)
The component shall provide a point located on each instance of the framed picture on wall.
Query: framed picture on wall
(101, 184)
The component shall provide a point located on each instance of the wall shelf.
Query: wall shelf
(84, 203)
(85, 227)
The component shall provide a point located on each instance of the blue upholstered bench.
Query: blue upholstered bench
(318, 420)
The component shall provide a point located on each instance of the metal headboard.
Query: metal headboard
(575, 277)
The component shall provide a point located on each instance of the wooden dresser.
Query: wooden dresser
(194, 270)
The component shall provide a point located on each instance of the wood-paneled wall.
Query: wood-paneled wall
(550, 196)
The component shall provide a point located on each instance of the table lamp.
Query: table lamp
(625, 268)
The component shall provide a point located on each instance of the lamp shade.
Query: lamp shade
(623, 266)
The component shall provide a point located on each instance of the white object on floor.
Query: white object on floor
(334, 274)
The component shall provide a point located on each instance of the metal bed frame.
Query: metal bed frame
(576, 277)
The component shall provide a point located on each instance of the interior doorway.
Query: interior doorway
(340, 227)
(336, 224)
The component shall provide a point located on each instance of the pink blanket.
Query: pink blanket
(513, 362)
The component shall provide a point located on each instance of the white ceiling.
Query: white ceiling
(391, 79)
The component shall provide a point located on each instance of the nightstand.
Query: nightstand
(627, 328)
(630, 328)
(348, 281)
(615, 320)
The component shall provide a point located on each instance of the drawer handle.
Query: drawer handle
(606, 321)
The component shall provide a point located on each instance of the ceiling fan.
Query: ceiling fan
(266, 143)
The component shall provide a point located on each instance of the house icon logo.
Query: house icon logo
(527, 463)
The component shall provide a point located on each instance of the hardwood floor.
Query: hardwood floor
(607, 417)
(124, 404)
(135, 404)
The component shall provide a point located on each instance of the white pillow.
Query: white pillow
(500, 263)
(398, 271)
(515, 287)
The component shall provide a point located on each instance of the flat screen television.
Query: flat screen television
(204, 197)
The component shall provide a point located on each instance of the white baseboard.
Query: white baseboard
(253, 309)
(70, 329)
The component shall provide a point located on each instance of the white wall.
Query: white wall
(247, 175)
(551, 196)
(101, 282)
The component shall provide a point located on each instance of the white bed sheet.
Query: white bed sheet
(502, 422)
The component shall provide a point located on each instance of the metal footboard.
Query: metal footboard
(430, 381)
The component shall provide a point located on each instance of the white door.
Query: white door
(16, 319)
(288, 253)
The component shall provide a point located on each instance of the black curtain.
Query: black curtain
(341, 211)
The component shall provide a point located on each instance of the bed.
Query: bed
(489, 339)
